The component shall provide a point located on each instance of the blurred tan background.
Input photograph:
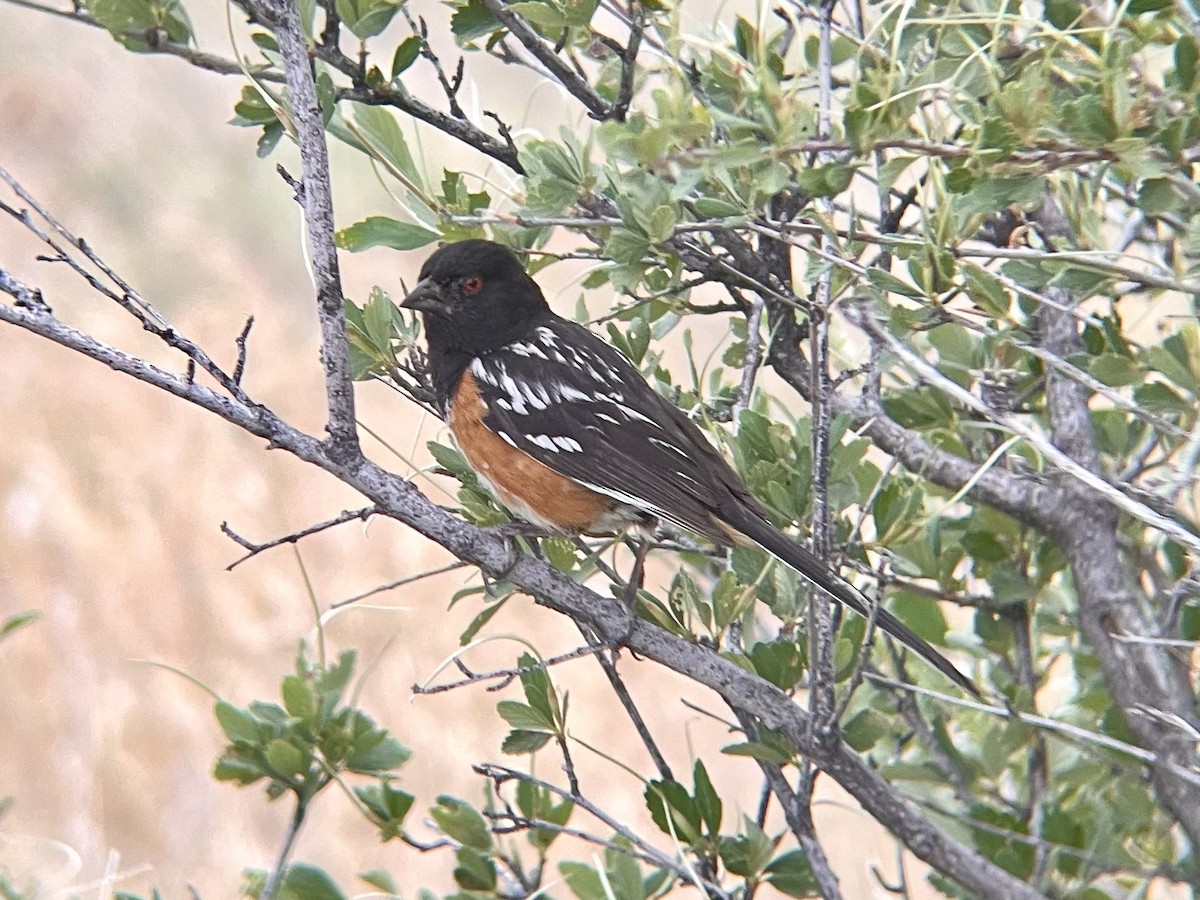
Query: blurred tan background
(111, 497)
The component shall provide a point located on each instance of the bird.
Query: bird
(568, 435)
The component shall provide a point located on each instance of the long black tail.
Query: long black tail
(788, 551)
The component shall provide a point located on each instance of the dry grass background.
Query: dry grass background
(111, 495)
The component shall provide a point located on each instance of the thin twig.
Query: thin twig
(503, 677)
(276, 877)
(401, 582)
(577, 86)
(240, 368)
(635, 716)
(254, 549)
(121, 292)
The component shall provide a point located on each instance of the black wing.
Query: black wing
(577, 405)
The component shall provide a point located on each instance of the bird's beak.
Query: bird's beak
(425, 297)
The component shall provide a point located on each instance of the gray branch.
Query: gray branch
(317, 200)
(544, 53)
(1138, 675)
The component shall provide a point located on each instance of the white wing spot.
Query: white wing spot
(543, 440)
(667, 445)
(569, 393)
(514, 393)
(631, 412)
(531, 394)
(569, 444)
(480, 371)
(504, 437)
(525, 349)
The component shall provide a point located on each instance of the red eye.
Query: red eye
(473, 285)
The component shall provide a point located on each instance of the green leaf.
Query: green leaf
(825, 181)
(366, 18)
(543, 15)
(520, 741)
(17, 621)
(305, 881)
(626, 247)
(237, 723)
(707, 801)
(865, 729)
(992, 193)
(385, 756)
(539, 691)
(579, 12)
(781, 662)
(792, 874)
(986, 291)
(731, 599)
(1158, 196)
(583, 880)
(472, 20)
(231, 767)
(381, 231)
(712, 208)
(298, 698)
(331, 681)
(1115, 369)
(673, 810)
(747, 855)
(661, 224)
(459, 821)
(474, 872)
(1185, 62)
(381, 129)
(482, 618)
(624, 873)
(388, 804)
(763, 750)
(285, 758)
(406, 54)
(381, 879)
(520, 715)
(889, 282)
(560, 553)
(130, 21)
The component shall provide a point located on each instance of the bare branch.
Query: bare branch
(317, 200)
(545, 54)
(254, 549)
(1139, 676)
(503, 677)
(400, 582)
(240, 369)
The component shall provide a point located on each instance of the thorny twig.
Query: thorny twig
(254, 549)
(502, 677)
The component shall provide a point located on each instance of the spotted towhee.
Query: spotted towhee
(571, 438)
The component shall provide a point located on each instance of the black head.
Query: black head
(475, 297)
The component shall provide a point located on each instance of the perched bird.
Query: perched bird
(571, 438)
